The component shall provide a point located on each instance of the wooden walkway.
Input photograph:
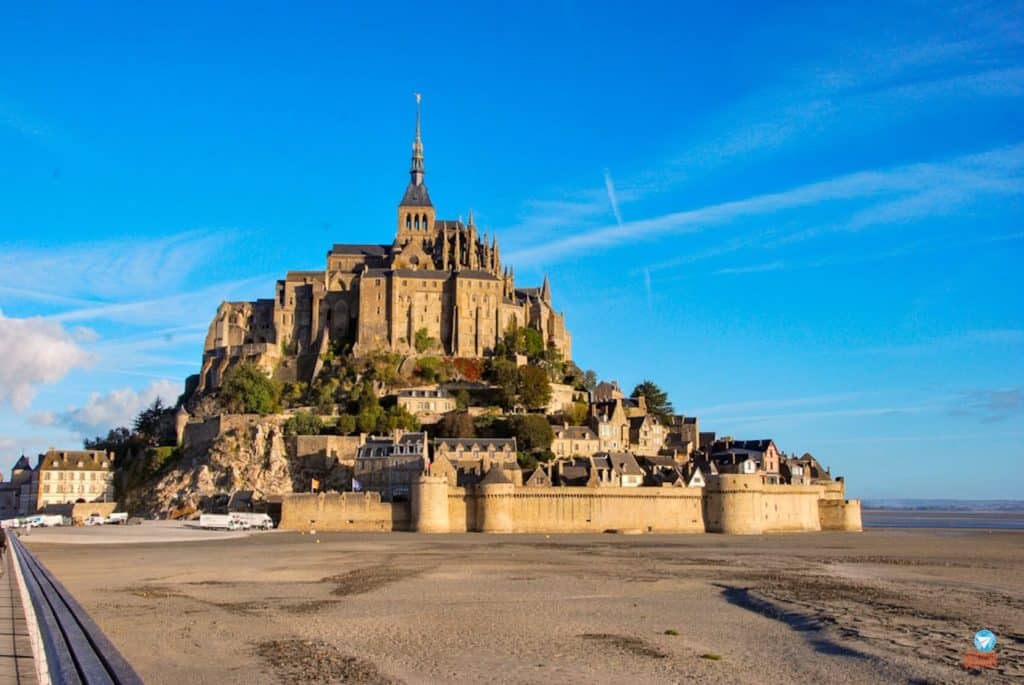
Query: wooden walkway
(17, 666)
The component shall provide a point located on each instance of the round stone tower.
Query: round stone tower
(429, 505)
(733, 504)
(494, 501)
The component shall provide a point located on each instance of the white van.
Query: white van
(261, 521)
(117, 518)
(222, 522)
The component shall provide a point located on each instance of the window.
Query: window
(408, 221)
(416, 224)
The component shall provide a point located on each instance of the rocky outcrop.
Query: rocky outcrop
(253, 455)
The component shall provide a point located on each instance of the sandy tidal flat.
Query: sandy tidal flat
(884, 606)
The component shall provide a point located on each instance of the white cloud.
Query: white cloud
(900, 193)
(115, 408)
(107, 270)
(34, 351)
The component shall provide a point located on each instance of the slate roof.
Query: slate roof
(367, 250)
(23, 464)
(483, 443)
(574, 475)
(389, 446)
(416, 196)
(496, 476)
(575, 433)
(626, 464)
(752, 445)
(78, 460)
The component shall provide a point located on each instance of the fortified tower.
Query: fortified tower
(429, 505)
(733, 504)
(494, 502)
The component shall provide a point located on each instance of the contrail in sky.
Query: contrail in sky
(612, 199)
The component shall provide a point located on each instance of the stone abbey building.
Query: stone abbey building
(438, 275)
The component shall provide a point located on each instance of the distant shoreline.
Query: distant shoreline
(958, 519)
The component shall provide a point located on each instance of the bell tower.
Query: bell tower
(415, 211)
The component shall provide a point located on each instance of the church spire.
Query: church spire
(416, 194)
(545, 290)
(416, 170)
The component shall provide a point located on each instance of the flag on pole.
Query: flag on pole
(356, 486)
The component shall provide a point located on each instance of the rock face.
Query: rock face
(253, 457)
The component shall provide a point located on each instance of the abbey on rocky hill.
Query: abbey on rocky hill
(439, 281)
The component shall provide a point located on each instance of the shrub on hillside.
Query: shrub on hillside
(303, 423)
(247, 390)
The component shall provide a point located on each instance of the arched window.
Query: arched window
(408, 221)
(417, 222)
(424, 222)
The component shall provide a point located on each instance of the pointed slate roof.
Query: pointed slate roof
(496, 476)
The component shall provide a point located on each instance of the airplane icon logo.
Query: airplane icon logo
(984, 641)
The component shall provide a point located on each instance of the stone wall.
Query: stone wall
(340, 447)
(791, 508)
(736, 504)
(348, 511)
(198, 433)
(840, 515)
(595, 510)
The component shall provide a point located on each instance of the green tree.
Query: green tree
(534, 387)
(384, 367)
(462, 398)
(527, 460)
(154, 425)
(589, 380)
(428, 368)
(346, 424)
(368, 419)
(577, 413)
(325, 394)
(504, 374)
(455, 424)
(292, 394)
(247, 390)
(532, 432)
(423, 341)
(658, 404)
(533, 344)
(303, 423)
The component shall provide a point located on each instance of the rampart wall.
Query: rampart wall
(735, 504)
(346, 511)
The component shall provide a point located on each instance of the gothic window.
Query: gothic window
(417, 223)
(408, 221)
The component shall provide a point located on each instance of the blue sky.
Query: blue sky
(803, 222)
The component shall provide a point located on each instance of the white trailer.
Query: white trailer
(222, 522)
(261, 521)
(117, 518)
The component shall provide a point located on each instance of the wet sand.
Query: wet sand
(893, 605)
